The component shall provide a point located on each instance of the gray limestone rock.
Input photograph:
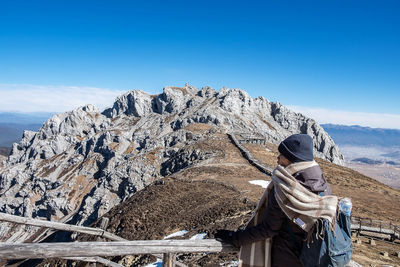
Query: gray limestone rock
(85, 162)
(136, 103)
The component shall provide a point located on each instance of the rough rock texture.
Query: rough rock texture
(85, 162)
(2, 158)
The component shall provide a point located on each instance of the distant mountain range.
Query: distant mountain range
(25, 118)
(395, 155)
(12, 126)
(12, 132)
(362, 136)
(370, 151)
(374, 162)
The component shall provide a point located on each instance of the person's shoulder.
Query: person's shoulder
(313, 179)
(312, 171)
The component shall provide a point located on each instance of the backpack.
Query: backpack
(328, 247)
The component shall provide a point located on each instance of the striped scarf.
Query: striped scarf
(297, 202)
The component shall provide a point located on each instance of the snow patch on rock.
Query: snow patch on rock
(176, 234)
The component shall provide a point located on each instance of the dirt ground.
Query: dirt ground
(371, 199)
(373, 255)
(206, 197)
(175, 205)
(172, 205)
(231, 169)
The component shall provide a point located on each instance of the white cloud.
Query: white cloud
(374, 120)
(49, 98)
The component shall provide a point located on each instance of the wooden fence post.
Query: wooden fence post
(103, 225)
(169, 260)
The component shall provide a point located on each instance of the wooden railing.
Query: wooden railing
(94, 251)
(247, 155)
(59, 226)
(375, 226)
(46, 225)
(107, 249)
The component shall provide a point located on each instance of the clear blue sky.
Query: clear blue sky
(341, 55)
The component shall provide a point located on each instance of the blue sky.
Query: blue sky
(318, 57)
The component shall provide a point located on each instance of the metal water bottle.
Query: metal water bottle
(345, 206)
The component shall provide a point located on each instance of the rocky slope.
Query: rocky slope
(221, 194)
(2, 158)
(82, 163)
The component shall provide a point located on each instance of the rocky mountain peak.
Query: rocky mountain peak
(84, 162)
(57, 134)
(136, 103)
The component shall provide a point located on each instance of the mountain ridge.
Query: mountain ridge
(84, 162)
(363, 136)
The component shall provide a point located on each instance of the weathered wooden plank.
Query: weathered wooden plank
(17, 235)
(103, 225)
(371, 229)
(107, 262)
(103, 249)
(59, 226)
(101, 260)
(44, 232)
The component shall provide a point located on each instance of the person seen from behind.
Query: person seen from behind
(287, 210)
